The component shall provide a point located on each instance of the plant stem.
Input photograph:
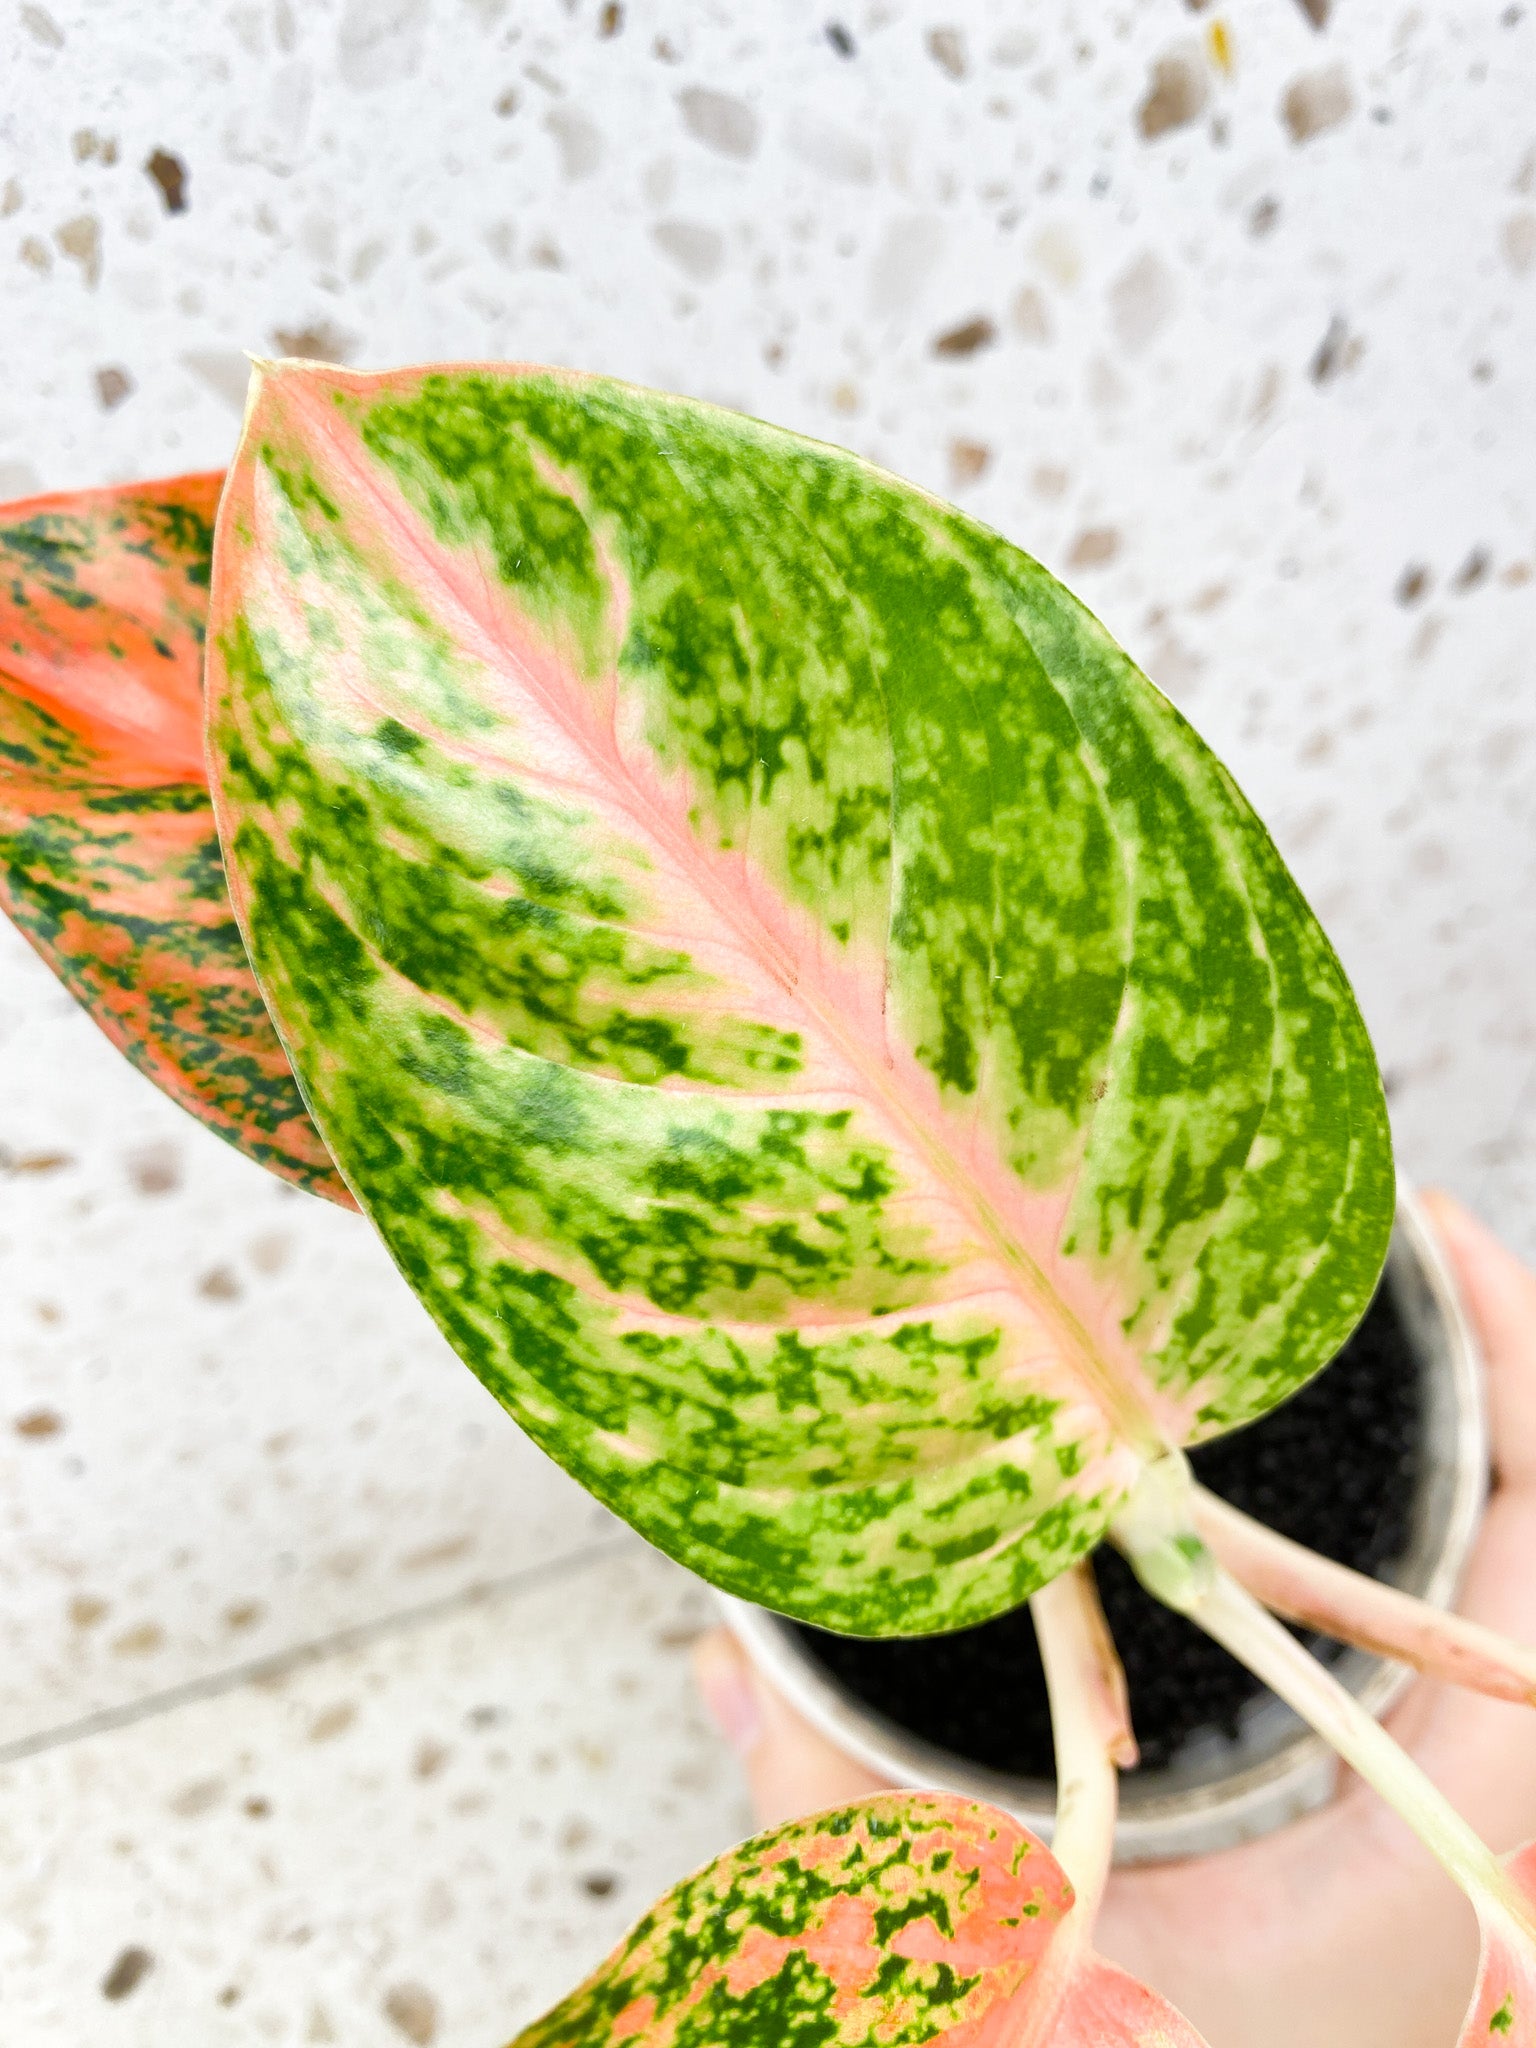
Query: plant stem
(1313, 1590)
(1091, 1730)
(1241, 1625)
(1156, 1531)
(1090, 1726)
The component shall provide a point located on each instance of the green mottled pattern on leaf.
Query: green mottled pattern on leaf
(109, 861)
(830, 1046)
(903, 1920)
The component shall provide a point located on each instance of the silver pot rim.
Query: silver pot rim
(1278, 1770)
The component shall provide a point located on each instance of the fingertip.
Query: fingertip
(1499, 1293)
(1452, 1219)
(1490, 1273)
(791, 1768)
(728, 1687)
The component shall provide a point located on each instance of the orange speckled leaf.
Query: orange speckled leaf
(1503, 2010)
(1107, 2009)
(906, 1919)
(109, 862)
(903, 1920)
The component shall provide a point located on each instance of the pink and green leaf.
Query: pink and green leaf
(109, 861)
(829, 1045)
(904, 1920)
(1105, 2008)
(1503, 2011)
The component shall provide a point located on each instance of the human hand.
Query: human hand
(1338, 1931)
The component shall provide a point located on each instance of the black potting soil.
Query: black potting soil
(1334, 1468)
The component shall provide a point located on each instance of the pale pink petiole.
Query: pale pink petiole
(1237, 1621)
(1347, 1605)
(1091, 1732)
(1082, 2001)
(1158, 1533)
(1091, 1728)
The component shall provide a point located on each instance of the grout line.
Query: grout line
(281, 1661)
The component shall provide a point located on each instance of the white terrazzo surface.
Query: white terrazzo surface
(427, 1838)
(1229, 317)
(229, 1429)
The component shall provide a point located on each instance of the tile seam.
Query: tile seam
(233, 1677)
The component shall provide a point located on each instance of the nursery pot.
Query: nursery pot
(1215, 1785)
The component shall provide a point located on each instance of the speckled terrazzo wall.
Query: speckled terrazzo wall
(1227, 317)
(1228, 314)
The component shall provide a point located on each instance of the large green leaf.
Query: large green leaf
(830, 1046)
(109, 861)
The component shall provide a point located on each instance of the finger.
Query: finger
(1500, 1296)
(791, 1769)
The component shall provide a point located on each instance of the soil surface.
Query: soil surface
(1334, 1468)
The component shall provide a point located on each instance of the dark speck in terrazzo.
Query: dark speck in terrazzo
(113, 385)
(966, 339)
(127, 1973)
(319, 341)
(1176, 95)
(1473, 570)
(170, 174)
(1338, 351)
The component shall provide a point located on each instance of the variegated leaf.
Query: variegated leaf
(908, 1918)
(830, 1046)
(903, 1920)
(1104, 2008)
(109, 862)
(1503, 2010)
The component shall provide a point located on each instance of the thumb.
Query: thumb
(791, 1769)
(1500, 1294)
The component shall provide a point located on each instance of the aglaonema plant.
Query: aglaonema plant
(111, 864)
(907, 1918)
(830, 1046)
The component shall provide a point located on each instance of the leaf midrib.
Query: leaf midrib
(1131, 1417)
